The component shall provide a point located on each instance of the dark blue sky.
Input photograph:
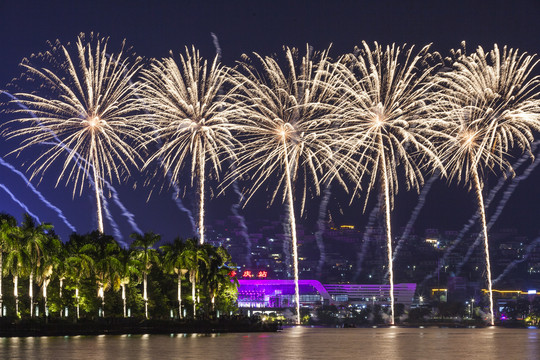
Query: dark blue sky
(153, 28)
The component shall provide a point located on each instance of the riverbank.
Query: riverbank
(60, 327)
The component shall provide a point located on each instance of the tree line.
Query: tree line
(92, 275)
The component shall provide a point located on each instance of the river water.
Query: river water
(291, 343)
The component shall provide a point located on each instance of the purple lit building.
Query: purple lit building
(275, 294)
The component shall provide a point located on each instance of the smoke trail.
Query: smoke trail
(39, 195)
(116, 231)
(243, 228)
(502, 203)
(513, 264)
(127, 214)
(415, 213)
(476, 215)
(244, 232)
(366, 238)
(216, 45)
(21, 204)
(321, 226)
(180, 205)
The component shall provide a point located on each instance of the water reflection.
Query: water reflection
(292, 343)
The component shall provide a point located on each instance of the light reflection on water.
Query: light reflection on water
(291, 343)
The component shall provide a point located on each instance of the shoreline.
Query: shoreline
(39, 328)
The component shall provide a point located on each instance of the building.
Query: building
(275, 294)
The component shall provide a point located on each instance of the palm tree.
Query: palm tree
(174, 262)
(34, 239)
(80, 263)
(129, 266)
(147, 256)
(60, 268)
(8, 229)
(195, 257)
(492, 106)
(106, 263)
(216, 273)
(17, 262)
(384, 120)
(50, 260)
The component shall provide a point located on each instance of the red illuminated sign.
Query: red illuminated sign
(258, 274)
(233, 273)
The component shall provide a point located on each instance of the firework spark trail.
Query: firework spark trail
(287, 241)
(492, 101)
(321, 226)
(385, 90)
(528, 251)
(502, 203)
(39, 195)
(366, 238)
(280, 111)
(89, 112)
(20, 203)
(292, 223)
(478, 186)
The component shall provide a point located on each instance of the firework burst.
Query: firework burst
(80, 108)
(384, 120)
(287, 142)
(185, 115)
(492, 105)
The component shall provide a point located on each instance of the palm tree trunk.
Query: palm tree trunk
(292, 223)
(61, 286)
(124, 298)
(101, 293)
(179, 294)
(145, 297)
(45, 283)
(478, 188)
(77, 297)
(16, 293)
(31, 293)
(194, 298)
(1, 293)
(387, 208)
(201, 198)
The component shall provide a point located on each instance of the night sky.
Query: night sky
(153, 28)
